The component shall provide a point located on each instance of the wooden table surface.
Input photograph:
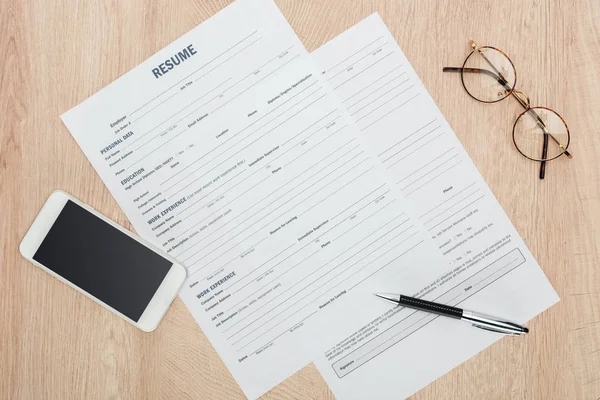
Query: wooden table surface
(55, 344)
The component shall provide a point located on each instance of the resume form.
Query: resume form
(488, 267)
(228, 150)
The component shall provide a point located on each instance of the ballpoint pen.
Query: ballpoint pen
(477, 320)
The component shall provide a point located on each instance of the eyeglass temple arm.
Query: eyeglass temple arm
(487, 72)
(544, 155)
(474, 70)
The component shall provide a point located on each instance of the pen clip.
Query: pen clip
(488, 328)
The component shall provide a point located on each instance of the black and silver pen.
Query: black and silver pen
(475, 319)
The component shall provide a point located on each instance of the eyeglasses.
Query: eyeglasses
(539, 133)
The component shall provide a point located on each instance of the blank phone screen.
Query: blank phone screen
(102, 260)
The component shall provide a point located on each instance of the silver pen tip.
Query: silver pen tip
(387, 296)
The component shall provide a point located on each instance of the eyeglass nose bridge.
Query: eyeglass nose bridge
(522, 98)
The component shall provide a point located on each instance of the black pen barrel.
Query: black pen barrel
(431, 307)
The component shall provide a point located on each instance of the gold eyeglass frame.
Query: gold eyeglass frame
(520, 96)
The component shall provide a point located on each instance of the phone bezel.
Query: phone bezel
(164, 295)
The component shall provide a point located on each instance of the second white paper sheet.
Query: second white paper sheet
(488, 268)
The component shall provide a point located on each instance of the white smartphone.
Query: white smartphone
(110, 265)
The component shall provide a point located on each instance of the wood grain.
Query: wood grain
(56, 53)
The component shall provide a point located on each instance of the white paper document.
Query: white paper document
(229, 151)
(232, 151)
(489, 268)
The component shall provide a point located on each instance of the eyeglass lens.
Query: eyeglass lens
(488, 75)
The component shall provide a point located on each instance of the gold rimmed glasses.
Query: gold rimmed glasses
(539, 133)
